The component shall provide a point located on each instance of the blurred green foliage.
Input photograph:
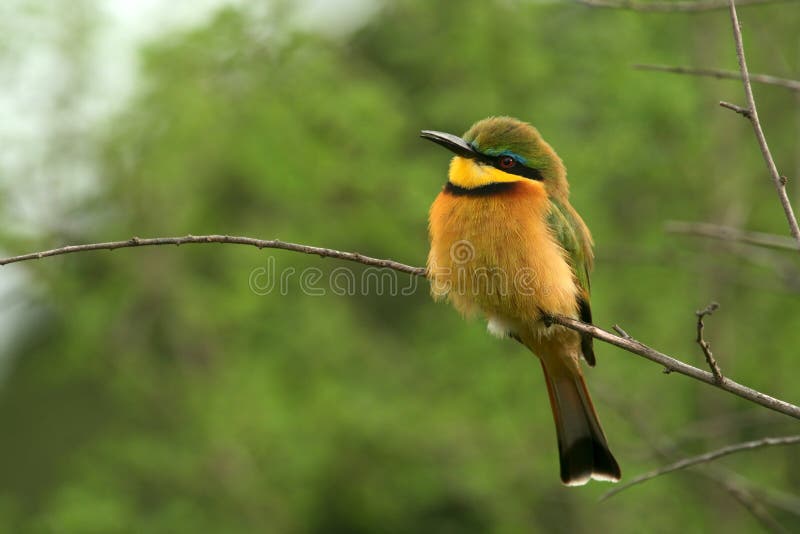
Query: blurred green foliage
(153, 391)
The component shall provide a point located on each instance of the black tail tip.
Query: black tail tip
(588, 459)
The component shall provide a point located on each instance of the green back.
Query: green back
(567, 231)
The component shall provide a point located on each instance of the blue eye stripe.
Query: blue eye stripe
(491, 156)
(497, 153)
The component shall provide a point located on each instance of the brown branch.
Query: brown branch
(793, 85)
(627, 343)
(618, 329)
(728, 233)
(706, 348)
(744, 496)
(703, 458)
(668, 7)
(752, 115)
(781, 500)
(672, 365)
(758, 248)
(236, 240)
(738, 487)
(744, 112)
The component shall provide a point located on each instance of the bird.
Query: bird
(506, 243)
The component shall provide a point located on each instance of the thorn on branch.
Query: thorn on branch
(704, 345)
(744, 112)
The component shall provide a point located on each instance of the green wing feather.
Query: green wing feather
(573, 236)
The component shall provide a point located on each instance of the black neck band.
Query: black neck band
(481, 191)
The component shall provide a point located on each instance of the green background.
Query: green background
(152, 390)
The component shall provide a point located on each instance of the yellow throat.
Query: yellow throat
(469, 174)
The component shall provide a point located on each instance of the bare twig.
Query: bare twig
(777, 179)
(786, 502)
(672, 365)
(706, 348)
(728, 233)
(749, 501)
(738, 487)
(664, 7)
(627, 343)
(744, 112)
(703, 458)
(753, 247)
(618, 329)
(793, 85)
(236, 240)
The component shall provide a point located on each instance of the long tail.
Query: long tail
(583, 450)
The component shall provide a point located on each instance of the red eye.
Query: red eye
(507, 162)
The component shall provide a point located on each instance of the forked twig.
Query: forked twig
(751, 112)
(703, 458)
(704, 346)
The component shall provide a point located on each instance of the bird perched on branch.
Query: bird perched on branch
(506, 243)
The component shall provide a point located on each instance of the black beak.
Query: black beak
(451, 142)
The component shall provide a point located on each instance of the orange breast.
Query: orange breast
(495, 254)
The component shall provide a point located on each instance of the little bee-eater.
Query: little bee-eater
(506, 242)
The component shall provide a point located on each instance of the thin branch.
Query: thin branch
(761, 249)
(728, 233)
(793, 85)
(777, 179)
(672, 365)
(618, 329)
(703, 458)
(744, 112)
(750, 502)
(667, 7)
(627, 343)
(236, 240)
(738, 487)
(706, 348)
(781, 500)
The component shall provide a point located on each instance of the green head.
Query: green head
(502, 149)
